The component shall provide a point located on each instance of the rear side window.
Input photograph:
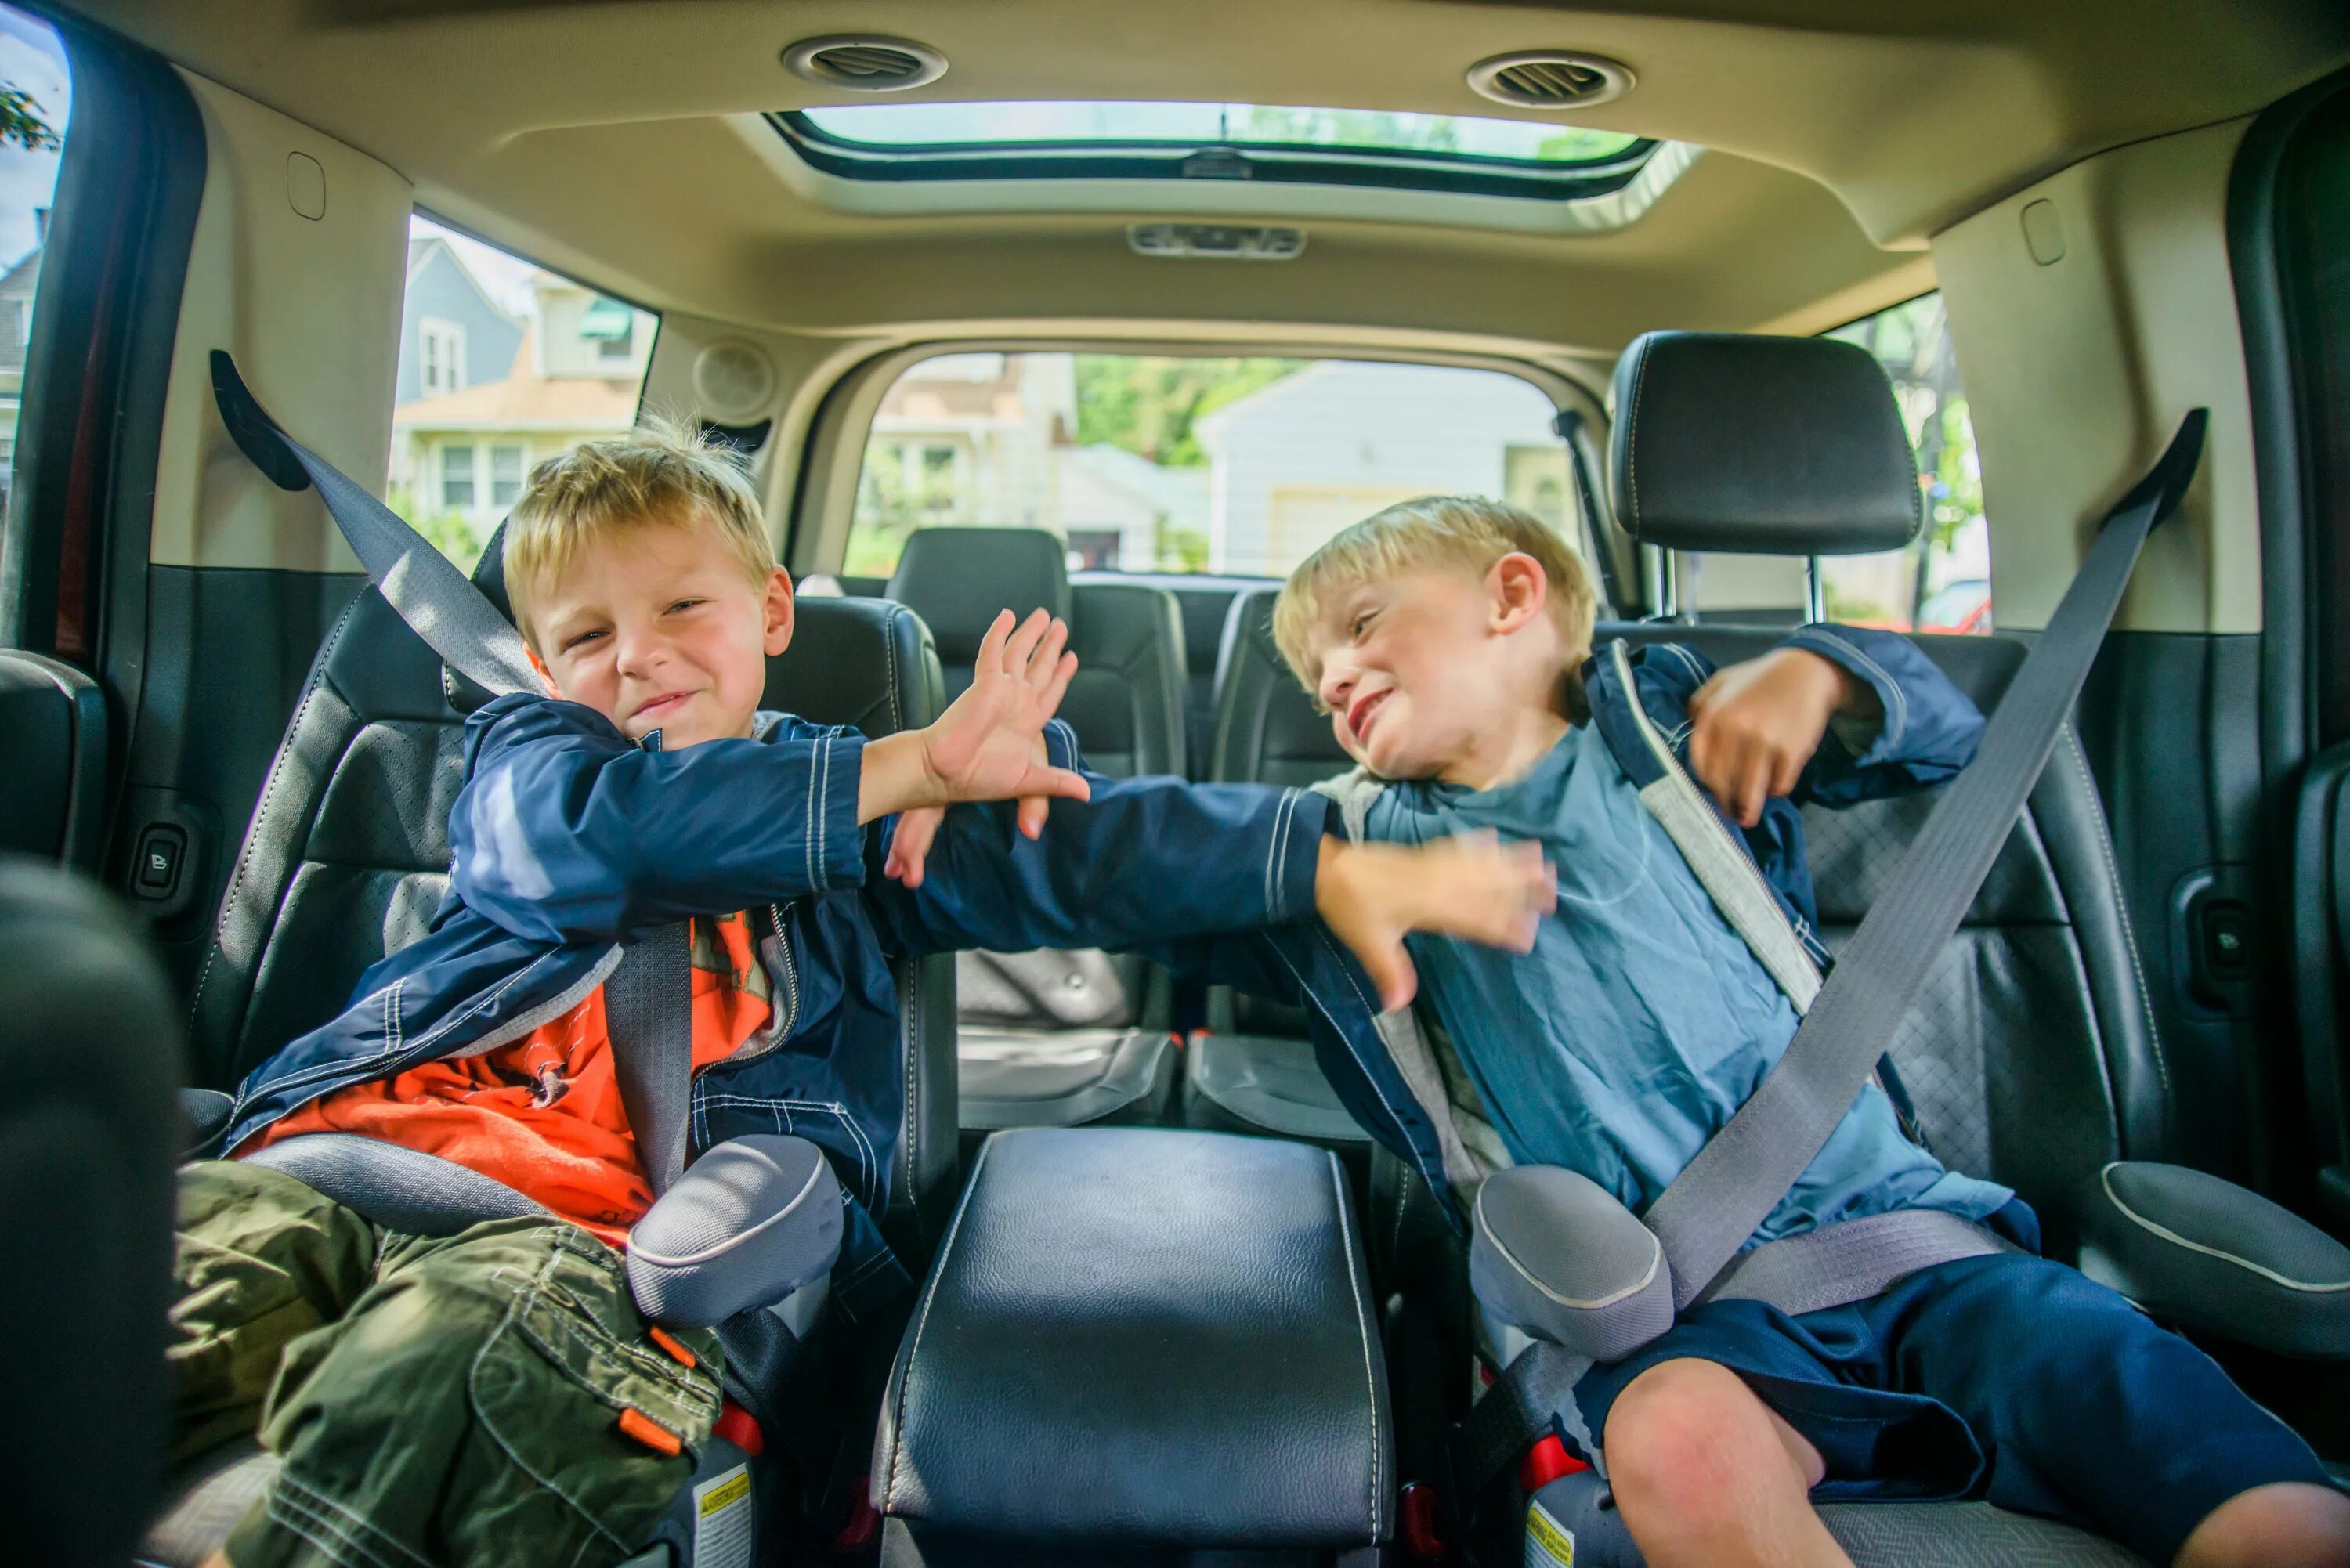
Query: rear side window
(502, 365)
(1942, 583)
(1192, 464)
(35, 103)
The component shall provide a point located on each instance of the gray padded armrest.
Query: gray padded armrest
(1140, 1338)
(2205, 1254)
(748, 1223)
(1555, 1255)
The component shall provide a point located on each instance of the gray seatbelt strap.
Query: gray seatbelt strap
(1708, 1212)
(648, 1012)
(424, 586)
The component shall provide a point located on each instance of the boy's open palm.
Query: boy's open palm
(986, 745)
(1472, 886)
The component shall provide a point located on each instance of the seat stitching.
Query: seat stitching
(1362, 1322)
(1632, 433)
(2121, 905)
(909, 1002)
(277, 774)
(914, 1350)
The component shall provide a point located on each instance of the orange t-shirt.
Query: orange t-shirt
(577, 1155)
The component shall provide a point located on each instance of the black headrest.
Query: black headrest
(1779, 446)
(489, 576)
(957, 579)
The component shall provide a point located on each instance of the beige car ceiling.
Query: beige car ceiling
(611, 139)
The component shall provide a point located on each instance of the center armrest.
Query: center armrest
(1143, 1337)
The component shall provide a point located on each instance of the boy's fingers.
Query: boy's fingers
(1047, 659)
(1753, 779)
(1023, 642)
(1061, 781)
(1391, 974)
(1058, 688)
(1033, 810)
(990, 647)
(1789, 772)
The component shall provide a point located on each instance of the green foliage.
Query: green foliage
(21, 122)
(1148, 405)
(448, 532)
(1346, 128)
(1574, 145)
(1181, 549)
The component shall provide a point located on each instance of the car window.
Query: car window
(1942, 583)
(36, 102)
(1175, 463)
(502, 365)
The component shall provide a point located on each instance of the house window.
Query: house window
(457, 478)
(506, 475)
(440, 356)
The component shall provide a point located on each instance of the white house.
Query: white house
(1293, 463)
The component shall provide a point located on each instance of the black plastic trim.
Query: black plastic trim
(1270, 162)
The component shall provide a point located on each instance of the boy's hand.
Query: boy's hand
(988, 745)
(1473, 887)
(910, 845)
(1755, 725)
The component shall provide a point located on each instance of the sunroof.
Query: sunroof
(1212, 140)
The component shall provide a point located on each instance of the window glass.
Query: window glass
(1198, 124)
(502, 365)
(36, 102)
(1163, 463)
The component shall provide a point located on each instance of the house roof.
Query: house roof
(1209, 428)
(526, 401)
(420, 249)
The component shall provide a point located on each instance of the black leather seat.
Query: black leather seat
(53, 792)
(1252, 1069)
(1061, 1039)
(89, 1048)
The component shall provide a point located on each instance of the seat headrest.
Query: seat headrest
(957, 580)
(1780, 446)
(463, 693)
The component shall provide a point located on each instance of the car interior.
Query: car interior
(1120, 312)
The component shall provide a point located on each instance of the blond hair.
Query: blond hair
(661, 472)
(1459, 531)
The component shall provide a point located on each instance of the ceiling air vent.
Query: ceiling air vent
(865, 63)
(1550, 78)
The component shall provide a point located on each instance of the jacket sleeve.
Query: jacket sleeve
(1146, 861)
(564, 831)
(1927, 734)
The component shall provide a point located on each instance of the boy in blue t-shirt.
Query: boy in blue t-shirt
(1444, 638)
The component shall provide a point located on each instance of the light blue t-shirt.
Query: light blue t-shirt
(1640, 1021)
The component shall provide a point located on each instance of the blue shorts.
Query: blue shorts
(2008, 1378)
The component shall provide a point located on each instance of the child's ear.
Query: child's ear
(1520, 590)
(544, 673)
(777, 608)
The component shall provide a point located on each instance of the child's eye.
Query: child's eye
(580, 639)
(1362, 619)
(684, 605)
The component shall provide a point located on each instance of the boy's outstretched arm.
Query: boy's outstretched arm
(1835, 715)
(568, 831)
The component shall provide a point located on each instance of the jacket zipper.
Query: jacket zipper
(783, 1030)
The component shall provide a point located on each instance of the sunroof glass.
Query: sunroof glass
(1076, 126)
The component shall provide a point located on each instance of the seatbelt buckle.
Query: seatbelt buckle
(1545, 1461)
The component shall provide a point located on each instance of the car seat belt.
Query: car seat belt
(1709, 1211)
(1598, 524)
(648, 997)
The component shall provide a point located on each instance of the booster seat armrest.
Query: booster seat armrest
(203, 1120)
(2207, 1254)
(749, 1223)
(1555, 1255)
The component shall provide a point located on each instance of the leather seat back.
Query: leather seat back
(1126, 705)
(348, 854)
(89, 1048)
(53, 792)
(2032, 1058)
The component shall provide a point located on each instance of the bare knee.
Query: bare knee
(1686, 1438)
(2291, 1524)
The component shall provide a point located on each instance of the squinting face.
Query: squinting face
(659, 628)
(1410, 672)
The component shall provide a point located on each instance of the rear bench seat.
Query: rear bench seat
(1061, 1039)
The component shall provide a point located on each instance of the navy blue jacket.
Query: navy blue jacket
(569, 840)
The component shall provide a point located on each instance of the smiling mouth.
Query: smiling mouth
(1359, 712)
(660, 705)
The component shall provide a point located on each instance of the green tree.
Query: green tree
(1148, 404)
(21, 122)
(448, 532)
